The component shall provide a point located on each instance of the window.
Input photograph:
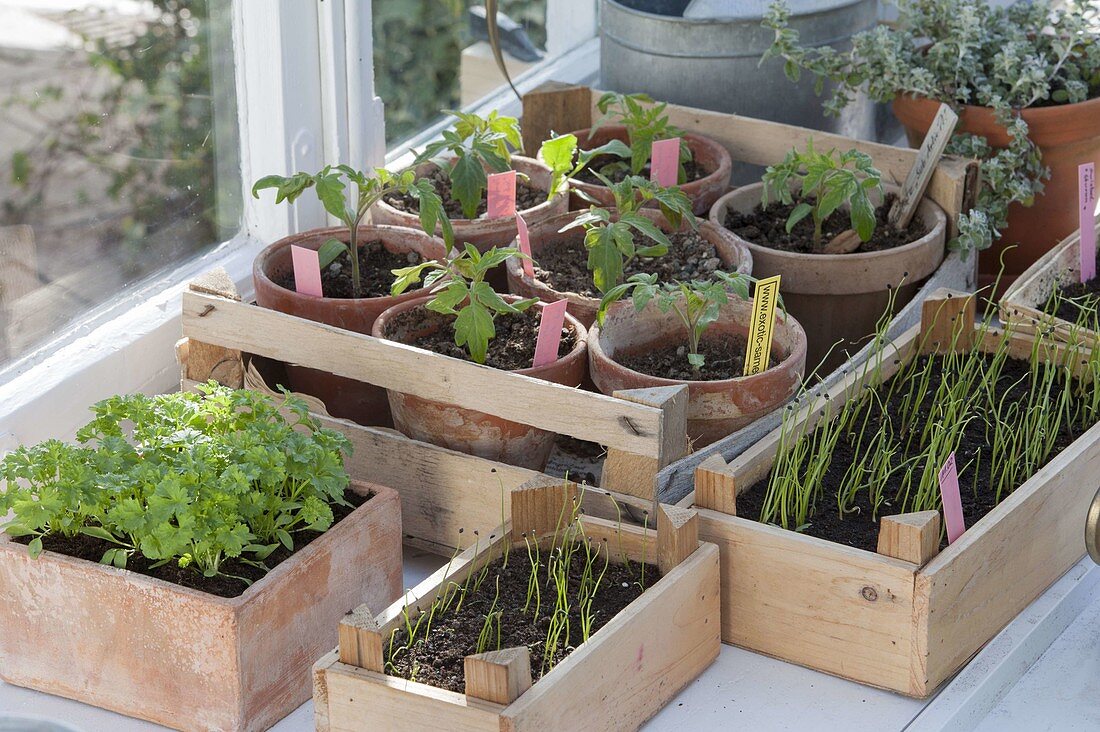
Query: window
(118, 146)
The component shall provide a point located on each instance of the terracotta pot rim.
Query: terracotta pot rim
(798, 352)
(1035, 113)
(926, 206)
(518, 163)
(580, 347)
(695, 143)
(321, 543)
(259, 264)
(515, 268)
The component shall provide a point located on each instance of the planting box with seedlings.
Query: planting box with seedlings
(555, 619)
(443, 492)
(860, 582)
(1050, 295)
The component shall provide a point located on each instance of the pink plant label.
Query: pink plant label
(553, 318)
(307, 271)
(952, 501)
(502, 195)
(664, 163)
(525, 247)
(1086, 176)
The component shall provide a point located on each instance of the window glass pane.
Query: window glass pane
(430, 55)
(118, 152)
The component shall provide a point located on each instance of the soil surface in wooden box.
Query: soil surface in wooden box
(693, 171)
(768, 228)
(527, 197)
(1077, 302)
(376, 265)
(859, 526)
(223, 585)
(724, 358)
(511, 349)
(563, 266)
(519, 617)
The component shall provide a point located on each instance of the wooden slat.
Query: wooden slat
(636, 475)
(715, 488)
(554, 107)
(1004, 561)
(635, 428)
(498, 676)
(841, 610)
(641, 659)
(360, 643)
(910, 537)
(625, 541)
(677, 536)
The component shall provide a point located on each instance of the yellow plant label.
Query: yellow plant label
(762, 325)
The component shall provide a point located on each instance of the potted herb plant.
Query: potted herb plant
(624, 137)
(355, 289)
(578, 257)
(820, 221)
(1027, 101)
(187, 558)
(457, 168)
(695, 333)
(465, 318)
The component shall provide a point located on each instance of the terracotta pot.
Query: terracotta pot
(715, 408)
(1067, 134)
(187, 659)
(734, 255)
(471, 431)
(703, 192)
(345, 398)
(839, 298)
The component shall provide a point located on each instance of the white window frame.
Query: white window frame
(305, 96)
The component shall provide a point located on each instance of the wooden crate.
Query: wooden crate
(621, 677)
(908, 623)
(1021, 306)
(445, 495)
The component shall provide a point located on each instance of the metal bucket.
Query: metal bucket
(715, 63)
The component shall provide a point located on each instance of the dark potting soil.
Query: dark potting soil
(768, 228)
(92, 549)
(693, 171)
(527, 197)
(376, 265)
(724, 358)
(439, 658)
(563, 265)
(858, 528)
(1080, 298)
(513, 347)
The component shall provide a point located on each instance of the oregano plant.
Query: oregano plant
(822, 183)
(330, 185)
(459, 289)
(609, 235)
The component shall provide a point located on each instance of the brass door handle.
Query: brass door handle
(1092, 529)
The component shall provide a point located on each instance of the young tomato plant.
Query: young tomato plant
(473, 145)
(459, 289)
(697, 303)
(609, 237)
(826, 181)
(565, 160)
(331, 187)
(187, 478)
(645, 122)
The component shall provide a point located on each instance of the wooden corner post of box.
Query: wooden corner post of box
(636, 475)
(554, 108)
(543, 505)
(200, 361)
(910, 537)
(360, 640)
(947, 321)
(498, 676)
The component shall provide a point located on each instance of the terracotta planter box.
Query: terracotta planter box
(623, 675)
(909, 620)
(1021, 308)
(183, 658)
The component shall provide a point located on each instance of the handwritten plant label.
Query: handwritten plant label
(664, 162)
(952, 501)
(553, 318)
(761, 326)
(1086, 178)
(931, 150)
(502, 195)
(525, 246)
(307, 271)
